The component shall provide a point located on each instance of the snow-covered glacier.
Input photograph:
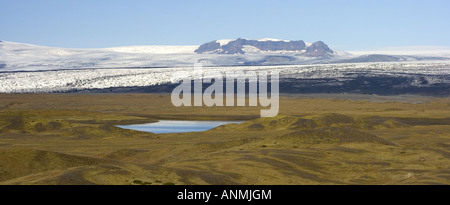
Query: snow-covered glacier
(421, 74)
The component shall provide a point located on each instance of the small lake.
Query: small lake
(177, 126)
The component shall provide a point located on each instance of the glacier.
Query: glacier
(70, 80)
(26, 68)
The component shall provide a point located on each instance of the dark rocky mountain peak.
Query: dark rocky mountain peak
(318, 49)
(210, 46)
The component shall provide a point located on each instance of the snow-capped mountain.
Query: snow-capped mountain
(242, 46)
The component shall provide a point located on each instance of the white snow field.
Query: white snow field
(440, 51)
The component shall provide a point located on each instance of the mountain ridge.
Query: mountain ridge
(238, 46)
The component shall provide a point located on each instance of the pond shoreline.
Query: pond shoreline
(177, 126)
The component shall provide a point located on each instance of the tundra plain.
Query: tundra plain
(315, 139)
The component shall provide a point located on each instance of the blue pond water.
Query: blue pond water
(177, 126)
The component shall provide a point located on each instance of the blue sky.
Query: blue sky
(344, 25)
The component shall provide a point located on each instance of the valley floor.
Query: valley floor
(315, 139)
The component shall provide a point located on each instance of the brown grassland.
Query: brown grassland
(71, 139)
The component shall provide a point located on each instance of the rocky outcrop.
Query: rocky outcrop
(234, 47)
(210, 46)
(277, 45)
(318, 49)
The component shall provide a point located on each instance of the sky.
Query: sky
(342, 24)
